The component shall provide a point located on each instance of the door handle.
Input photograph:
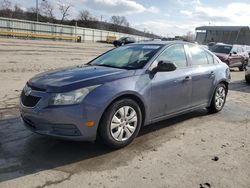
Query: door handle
(211, 74)
(187, 78)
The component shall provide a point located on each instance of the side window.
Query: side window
(234, 49)
(242, 50)
(210, 58)
(198, 56)
(130, 39)
(175, 54)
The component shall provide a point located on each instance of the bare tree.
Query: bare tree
(190, 36)
(5, 4)
(85, 15)
(64, 10)
(6, 8)
(47, 9)
(119, 20)
(18, 12)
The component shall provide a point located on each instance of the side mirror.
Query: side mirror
(164, 66)
(234, 53)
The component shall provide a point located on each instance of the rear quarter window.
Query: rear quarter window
(198, 56)
(210, 58)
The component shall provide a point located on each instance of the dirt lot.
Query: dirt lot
(194, 150)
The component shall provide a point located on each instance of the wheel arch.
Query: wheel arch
(223, 81)
(134, 97)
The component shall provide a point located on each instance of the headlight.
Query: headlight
(72, 97)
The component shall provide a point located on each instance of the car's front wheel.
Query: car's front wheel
(120, 123)
(219, 98)
(243, 66)
(247, 78)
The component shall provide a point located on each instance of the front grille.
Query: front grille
(29, 101)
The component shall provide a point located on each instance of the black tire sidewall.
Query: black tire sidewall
(104, 128)
(247, 78)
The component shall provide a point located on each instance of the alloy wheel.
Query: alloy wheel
(220, 97)
(123, 123)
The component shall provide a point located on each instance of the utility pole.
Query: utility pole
(76, 31)
(37, 10)
(37, 13)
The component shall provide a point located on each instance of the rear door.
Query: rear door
(235, 57)
(203, 75)
(243, 53)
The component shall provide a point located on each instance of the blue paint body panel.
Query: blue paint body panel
(163, 95)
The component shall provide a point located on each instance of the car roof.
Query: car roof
(222, 44)
(164, 42)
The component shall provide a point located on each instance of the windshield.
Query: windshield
(221, 49)
(127, 57)
(123, 38)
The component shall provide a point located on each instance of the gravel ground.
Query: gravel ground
(194, 150)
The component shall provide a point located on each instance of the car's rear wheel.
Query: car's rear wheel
(120, 123)
(219, 98)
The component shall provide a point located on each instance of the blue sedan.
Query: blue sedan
(117, 93)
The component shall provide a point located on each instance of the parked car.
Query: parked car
(232, 55)
(242, 51)
(247, 73)
(247, 48)
(210, 45)
(204, 46)
(124, 40)
(128, 87)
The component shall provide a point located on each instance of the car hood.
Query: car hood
(222, 56)
(68, 79)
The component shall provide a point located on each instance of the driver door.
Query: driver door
(235, 57)
(171, 91)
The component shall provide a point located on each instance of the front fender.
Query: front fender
(99, 99)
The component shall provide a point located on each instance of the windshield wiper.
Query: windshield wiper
(105, 65)
(128, 67)
(124, 67)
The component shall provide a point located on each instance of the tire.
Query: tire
(117, 128)
(243, 66)
(247, 78)
(219, 98)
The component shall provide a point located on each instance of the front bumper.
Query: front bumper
(66, 122)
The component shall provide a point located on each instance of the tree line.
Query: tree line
(46, 13)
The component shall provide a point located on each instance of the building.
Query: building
(225, 34)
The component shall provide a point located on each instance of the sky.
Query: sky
(162, 17)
